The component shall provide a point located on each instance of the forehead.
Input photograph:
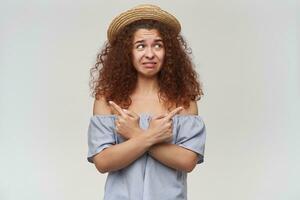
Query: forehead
(146, 34)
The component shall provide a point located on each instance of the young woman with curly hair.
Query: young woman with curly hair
(145, 130)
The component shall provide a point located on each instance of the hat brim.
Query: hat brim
(139, 13)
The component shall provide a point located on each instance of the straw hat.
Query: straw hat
(144, 11)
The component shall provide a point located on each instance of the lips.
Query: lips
(149, 64)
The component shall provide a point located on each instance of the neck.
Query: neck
(146, 86)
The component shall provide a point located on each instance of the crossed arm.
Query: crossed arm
(121, 155)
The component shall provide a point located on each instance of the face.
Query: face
(148, 52)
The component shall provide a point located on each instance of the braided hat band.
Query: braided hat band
(144, 11)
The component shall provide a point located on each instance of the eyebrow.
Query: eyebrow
(141, 41)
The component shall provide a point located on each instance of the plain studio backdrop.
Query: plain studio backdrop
(247, 55)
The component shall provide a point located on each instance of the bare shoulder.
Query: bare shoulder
(192, 110)
(101, 107)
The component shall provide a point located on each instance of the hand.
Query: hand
(160, 126)
(127, 122)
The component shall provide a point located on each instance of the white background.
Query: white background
(247, 55)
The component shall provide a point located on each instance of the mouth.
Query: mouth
(149, 64)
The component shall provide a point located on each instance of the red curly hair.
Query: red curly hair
(114, 77)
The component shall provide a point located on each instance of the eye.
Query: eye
(158, 46)
(140, 46)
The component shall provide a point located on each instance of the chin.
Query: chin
(148, 75)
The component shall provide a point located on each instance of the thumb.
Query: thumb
(132, 114)
(159, 116)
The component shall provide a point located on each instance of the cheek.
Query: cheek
(136, 56)
(162, 55)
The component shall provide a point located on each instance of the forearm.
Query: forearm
(174, 156)
(121, 155)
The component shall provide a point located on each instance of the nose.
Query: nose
(149, 53)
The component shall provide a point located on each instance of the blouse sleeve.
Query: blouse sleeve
(101, 134)
(191, 134)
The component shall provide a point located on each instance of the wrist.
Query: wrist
(154, 147)
(136, 132)
(146, 139)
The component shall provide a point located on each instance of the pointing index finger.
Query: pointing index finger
(117, 108)
(173, 112)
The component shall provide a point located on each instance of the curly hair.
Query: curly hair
(114, 77)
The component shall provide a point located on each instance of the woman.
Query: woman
(145, 130)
